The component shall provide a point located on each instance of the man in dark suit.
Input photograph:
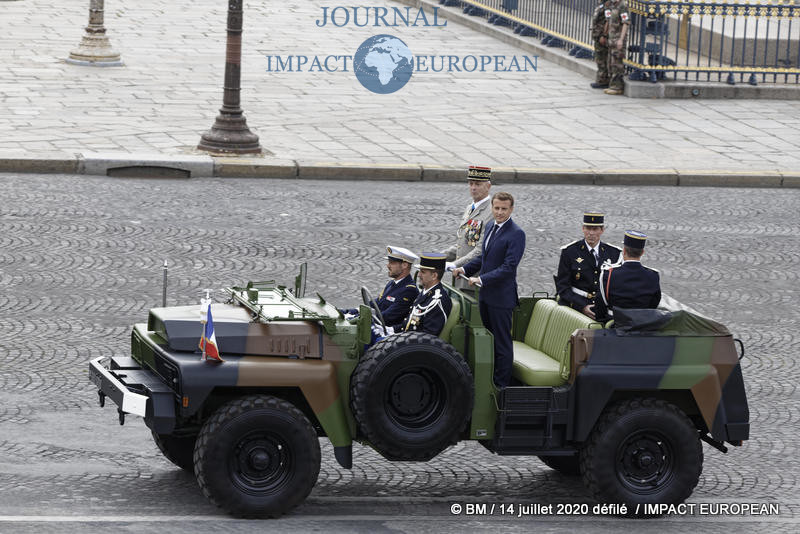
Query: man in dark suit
(433, 305)
(496, 274)
(630, 284)
(578, 278)
(399, 294)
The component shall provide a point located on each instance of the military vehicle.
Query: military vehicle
(625, 405)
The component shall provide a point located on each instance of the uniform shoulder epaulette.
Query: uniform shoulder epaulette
(656, 270)
(570, 244)
(411, 285)
(613, 246)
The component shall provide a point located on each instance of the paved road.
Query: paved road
(170, 89)
(80, 261)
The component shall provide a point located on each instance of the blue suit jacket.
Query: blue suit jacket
(497, 265)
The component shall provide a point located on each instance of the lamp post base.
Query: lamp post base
(230, 135)
(95, 50)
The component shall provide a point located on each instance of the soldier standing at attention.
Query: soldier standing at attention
(578, 278)
(473, 221)
(618, 20)
(600, 39)
(630, 284)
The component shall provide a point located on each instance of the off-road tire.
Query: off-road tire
(412, 396)
(178, 450)
(642, 451)
(566, 465)
(257, 456)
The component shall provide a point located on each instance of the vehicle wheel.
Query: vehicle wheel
(177, 449)
(412, 396)
(257, 456)
(642, 451)
(566, 465)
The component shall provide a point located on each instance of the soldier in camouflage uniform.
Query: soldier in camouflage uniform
(600, 40)
(618, 20)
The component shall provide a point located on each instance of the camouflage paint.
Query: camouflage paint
(317, 379)
(604, 362)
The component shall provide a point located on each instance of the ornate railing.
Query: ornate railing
(731, 41)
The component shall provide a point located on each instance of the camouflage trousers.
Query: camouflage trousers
(616, 70)
(601, 58)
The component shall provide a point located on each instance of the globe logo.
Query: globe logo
(383, 64)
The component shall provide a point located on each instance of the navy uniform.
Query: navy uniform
(578, 278)
(629, 284)
(470, 232)
(398, 295)
(432, 306)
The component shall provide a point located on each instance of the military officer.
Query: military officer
(600, 39)
(618, 20)
(473, 221)
(433, 305)
(630, 284)
(400, 292)
(577, 281)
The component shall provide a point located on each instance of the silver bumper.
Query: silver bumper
(113, 388)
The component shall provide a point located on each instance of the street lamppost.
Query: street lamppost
(95, 49)
(230, 134)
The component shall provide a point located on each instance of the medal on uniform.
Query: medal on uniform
(473, 231)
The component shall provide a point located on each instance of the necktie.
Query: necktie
(596, 256)
(489, 237)
(473, 207)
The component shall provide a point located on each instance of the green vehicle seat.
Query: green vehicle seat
(452, 319)
(542, 359)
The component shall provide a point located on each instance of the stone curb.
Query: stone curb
(53, 164)
(197, 166)
(233, 167)
(355, 171)
(587, 68)
(138, 164)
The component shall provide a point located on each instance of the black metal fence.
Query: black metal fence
(731, 41)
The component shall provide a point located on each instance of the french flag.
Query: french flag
(208, 342)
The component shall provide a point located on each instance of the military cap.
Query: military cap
(482, 174)
(401, 254)
(635, 239)
(432, 260)
(593, 218)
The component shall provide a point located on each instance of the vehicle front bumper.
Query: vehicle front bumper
(135, 391)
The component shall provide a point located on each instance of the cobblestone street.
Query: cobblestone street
(80, 262)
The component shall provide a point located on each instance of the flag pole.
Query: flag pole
(205, 303)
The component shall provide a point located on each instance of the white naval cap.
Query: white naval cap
(402, 254)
